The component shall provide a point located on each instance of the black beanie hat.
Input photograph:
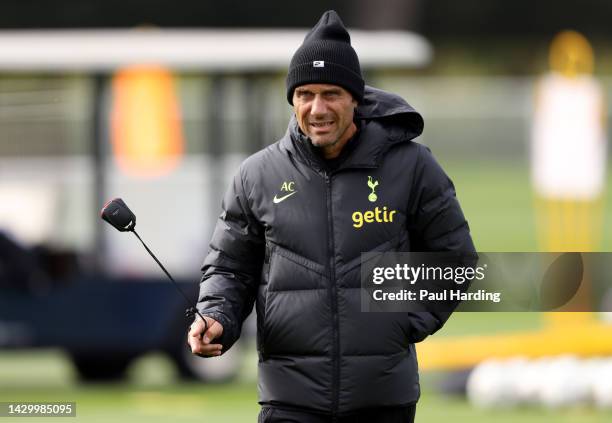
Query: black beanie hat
(326, 57)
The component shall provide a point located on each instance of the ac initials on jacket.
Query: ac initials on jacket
(288, 188)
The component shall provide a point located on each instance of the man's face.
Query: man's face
(324, 113)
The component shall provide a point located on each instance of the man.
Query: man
(345, 179)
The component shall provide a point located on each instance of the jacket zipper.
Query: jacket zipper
(334, 303)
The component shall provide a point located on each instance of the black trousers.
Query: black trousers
(371, 415)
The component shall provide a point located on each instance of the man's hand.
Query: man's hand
(202, 346)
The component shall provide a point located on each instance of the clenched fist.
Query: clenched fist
(201, 343)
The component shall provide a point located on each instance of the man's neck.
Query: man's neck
(332, 151)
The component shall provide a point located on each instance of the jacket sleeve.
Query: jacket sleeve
(232, 268)
(436, 223)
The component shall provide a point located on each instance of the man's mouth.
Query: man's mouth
(322, 124)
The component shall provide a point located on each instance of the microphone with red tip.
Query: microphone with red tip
(117, 213)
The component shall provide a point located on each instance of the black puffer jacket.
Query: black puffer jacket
(290, 238)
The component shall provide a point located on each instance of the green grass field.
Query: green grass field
(47, 376)
(498, 204)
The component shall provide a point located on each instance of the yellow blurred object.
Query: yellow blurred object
(571, 54)
(572, 224)
(568, 164)
(147, 138)
(591, 339)
(569, 225)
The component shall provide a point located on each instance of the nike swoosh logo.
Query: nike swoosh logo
(278, 200)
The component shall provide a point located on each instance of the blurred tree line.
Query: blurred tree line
(469, 36)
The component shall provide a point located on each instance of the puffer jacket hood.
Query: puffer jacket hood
(403, 120)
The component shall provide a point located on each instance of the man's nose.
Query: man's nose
(318, 106)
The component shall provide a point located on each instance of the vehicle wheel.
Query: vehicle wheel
(92, 368)
(211, 369)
